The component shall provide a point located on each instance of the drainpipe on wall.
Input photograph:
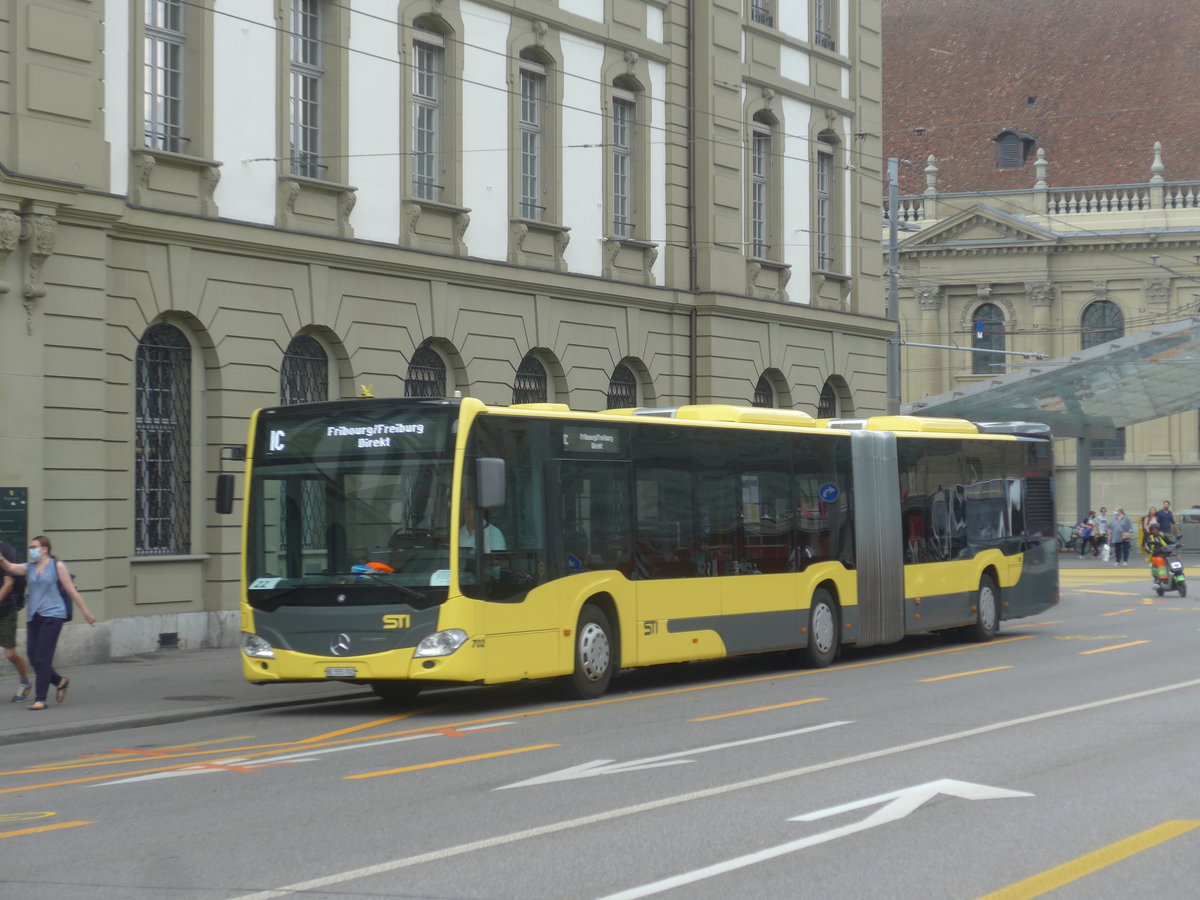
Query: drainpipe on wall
(693, 262)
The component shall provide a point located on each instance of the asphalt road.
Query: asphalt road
(1060, 756)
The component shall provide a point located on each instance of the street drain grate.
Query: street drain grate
(206, 697)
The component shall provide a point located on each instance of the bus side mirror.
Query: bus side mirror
(489, 476)
(225, 493)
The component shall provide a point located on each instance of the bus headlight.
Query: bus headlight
(255, 647)
(443, 643)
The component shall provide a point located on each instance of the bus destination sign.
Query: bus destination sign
(590, 439)
(286, 436)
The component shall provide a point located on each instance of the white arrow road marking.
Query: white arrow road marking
(612, 767)
(242, 763)
(897, 805)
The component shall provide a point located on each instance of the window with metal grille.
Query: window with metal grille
(304, 375)
(824, 239)
(823, 24)
(304, 378)
(164, 46)
(307, 83)
(764, 394)
(428, 59)
(532, 114)
(988, 334)
(426, 374)
(530, 383)
(760, 12)
(1101, 322)
(162, 442)
(827, 404)
(760, 190)
(624, 116)
(622, 388)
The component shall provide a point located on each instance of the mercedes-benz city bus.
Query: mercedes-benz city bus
(408, 543)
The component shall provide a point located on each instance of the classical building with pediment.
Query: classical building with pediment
(1043, 215)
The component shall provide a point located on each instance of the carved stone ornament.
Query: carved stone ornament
(631, 60)
(520, 231)
(539, 32)
(983, 291)
(1100, 288)
(346, 201)
(1041, 293)
(293, 194)
(561, 239)
(1157, 291)
(930, 297)
(10, 233)
(612, 249)
(785, 275)
(144, 163)
(41, 233)
(212, 177)
(652, 258)
(462, 221)
(412, 213)
(752, 270)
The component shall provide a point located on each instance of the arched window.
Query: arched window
(304, 375)
(622, 388)
(1100, 323)
(827, 405)
(426, 374)
(530, 383)
(764, 394)
(987, 333)
(162, 442)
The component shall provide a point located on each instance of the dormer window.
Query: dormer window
(1013, 148)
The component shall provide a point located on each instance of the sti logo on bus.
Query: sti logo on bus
(392, 622)
(275, 441)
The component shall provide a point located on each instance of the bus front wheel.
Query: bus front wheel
(987, 611)
(594, 655)
(822, 630)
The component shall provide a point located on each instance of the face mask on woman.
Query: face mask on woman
(35, 554)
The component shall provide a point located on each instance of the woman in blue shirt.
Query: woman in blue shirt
(48, 590)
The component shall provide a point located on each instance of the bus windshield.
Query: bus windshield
(350, 513)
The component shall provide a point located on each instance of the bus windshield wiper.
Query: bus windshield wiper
(403, 589)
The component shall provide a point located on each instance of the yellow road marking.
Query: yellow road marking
(1090, 637)
(1113, 647)
(1030, 625)
(963, 674)
(1055, 878)
(757, 709)
(330, 735)
(1109, 593)
(25, 816)
(449, 762)
(1119, 612)
(271, 749)
(40, 828)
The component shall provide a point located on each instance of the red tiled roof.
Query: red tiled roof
(1096, 82)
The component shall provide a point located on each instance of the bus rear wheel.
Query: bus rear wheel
(397, 692)
(823, 631)
(987, 611)
(594, 655)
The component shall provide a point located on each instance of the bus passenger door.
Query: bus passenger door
(675, 558)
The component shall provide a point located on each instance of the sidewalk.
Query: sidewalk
(152, 689)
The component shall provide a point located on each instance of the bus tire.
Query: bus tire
(824, 630)
(397, 692)
(594, 655)
(987, 611)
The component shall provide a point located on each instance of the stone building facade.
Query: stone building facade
(1054, 205)
(212, 206)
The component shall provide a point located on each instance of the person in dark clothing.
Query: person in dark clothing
(12, 592)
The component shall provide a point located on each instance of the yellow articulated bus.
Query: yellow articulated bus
(412, 543)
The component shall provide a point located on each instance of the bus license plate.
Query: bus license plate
(341, 672)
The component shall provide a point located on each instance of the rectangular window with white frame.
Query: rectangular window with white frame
(624, 119)
(531, 119)
(824, 24)
(307, 76)
(824, 238)
(760, 192)
(165, 41)
(429, 51)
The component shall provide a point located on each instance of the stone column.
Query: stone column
(932, 366)
(1041, 299)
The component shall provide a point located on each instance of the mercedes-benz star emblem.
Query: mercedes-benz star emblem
(340, 645)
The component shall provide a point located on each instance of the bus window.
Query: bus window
(767, 510)
(718, 547)
(665, 510)
(492, 573)
(593, 516)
